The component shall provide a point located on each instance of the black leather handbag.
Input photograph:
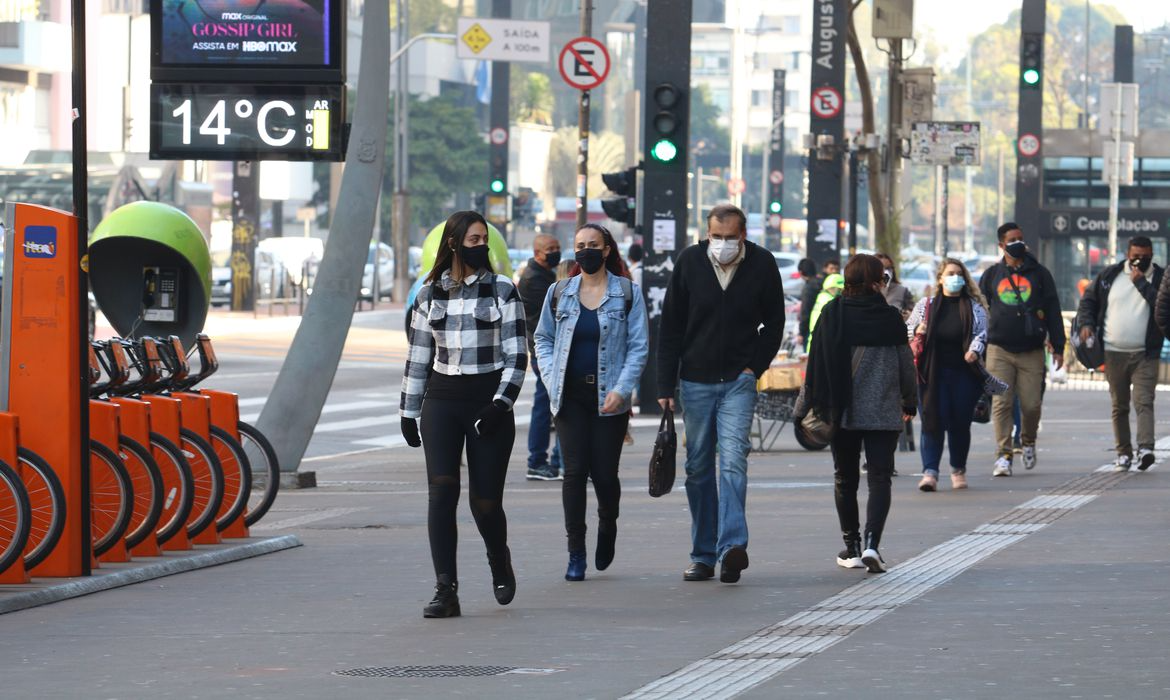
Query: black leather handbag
(662, 457)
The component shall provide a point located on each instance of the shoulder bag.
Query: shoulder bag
(820, 432)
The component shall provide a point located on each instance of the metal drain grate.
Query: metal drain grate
(434, 671)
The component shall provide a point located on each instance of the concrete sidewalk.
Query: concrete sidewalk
(1064, 597)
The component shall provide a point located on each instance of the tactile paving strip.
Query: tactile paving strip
(770, 651)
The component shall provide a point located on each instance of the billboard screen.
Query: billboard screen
(304, 34)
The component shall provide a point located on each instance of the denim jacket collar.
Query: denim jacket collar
(613, 287)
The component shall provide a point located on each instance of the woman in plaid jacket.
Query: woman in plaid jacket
(464, 369)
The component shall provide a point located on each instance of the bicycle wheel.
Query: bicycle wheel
(111, 497)
(237, 475)
(148, 489)
(265, 472)
(208, 474)
(15, 520)
(179, 487)
(46, 502)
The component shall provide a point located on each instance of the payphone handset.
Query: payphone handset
(160, 294)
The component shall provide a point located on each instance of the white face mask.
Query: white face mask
(723, 251)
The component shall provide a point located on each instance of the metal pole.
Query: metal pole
(81, 212)
(893, 136)
(1085, 86)
(968, 175)
(946, 204)
(699, 197)
(853, 185)
(400, 231)
(1115, 174)
(846, 178)
(583, 128)
(999, 191)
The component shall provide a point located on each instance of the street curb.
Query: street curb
(106, 580)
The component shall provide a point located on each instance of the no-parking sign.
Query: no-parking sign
(584, 63)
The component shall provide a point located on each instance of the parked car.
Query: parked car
(383, 256)
(221, 277)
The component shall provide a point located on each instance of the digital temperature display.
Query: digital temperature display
(245, 122)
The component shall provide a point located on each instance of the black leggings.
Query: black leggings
(591, 446)
(446, 426)
(879, 457)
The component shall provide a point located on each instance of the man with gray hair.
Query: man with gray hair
(720, 329)
(538, 276)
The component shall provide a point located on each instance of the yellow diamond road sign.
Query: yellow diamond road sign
(476, 38)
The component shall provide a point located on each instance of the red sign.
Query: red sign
(1029, 145)
(826, 102)
(499, 136)
(584, 63)
(776, 177)
(735, 185)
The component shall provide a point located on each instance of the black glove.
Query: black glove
(491, 417)
(410, 432)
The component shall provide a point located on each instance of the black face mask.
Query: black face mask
(1142, 264)
(1016, 249)
(553, 259)
(475, 258)
(590, 259)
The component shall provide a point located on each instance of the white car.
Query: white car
(789, 275)
(384, 255)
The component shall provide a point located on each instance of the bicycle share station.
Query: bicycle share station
(170, 465)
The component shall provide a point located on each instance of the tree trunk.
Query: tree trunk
(888, 238)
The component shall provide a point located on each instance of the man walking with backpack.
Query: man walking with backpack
(1024, 313)
(1118, 310)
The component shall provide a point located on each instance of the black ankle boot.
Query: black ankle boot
(850, 557)
(503, 578)
(606, 542)
(446, 600)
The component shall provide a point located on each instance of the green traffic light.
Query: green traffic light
(497, 186)
(775, 207)
(664, 151)
(1031, 76)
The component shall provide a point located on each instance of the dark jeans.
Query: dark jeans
(879, 457)
(541, 426)
(957, 392)
(446, 426)
(591, 446)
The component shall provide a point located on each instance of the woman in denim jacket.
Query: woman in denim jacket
(952, 326)
(591, 345)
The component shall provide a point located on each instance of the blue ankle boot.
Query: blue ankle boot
(576, 570)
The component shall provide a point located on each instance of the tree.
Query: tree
(448, 155)
(707, 136)
(532, 97)
(889, 239)
(606, 154)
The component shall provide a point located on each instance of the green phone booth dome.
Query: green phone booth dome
(151, 271)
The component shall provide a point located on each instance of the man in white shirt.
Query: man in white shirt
(1118, 307)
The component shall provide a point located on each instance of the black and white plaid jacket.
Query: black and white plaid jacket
(470, 327)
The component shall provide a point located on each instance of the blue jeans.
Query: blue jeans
(540, 428)
(958, 391)
(717, 417)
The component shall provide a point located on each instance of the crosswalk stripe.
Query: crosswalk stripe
(332, 408)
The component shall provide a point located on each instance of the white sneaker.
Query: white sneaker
(1145, 459)
(1122, 463)
(873, 561)
(1029, 456)
(1003, 467)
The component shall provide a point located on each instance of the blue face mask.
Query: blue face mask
(954, 283)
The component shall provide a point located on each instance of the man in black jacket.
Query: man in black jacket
(1024, 314)
(1118, 310)
(720, 329)
(538, 276)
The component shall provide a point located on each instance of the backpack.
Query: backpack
(627, 293)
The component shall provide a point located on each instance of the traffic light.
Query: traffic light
(498, 168)
(497, 185)
(775, 206)
(1031, 61)
(666, 144)
(623, 183)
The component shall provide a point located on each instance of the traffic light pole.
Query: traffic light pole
(1030, 121)
(662, 201)
(583, 128)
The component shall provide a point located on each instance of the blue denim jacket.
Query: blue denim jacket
(621, 352)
